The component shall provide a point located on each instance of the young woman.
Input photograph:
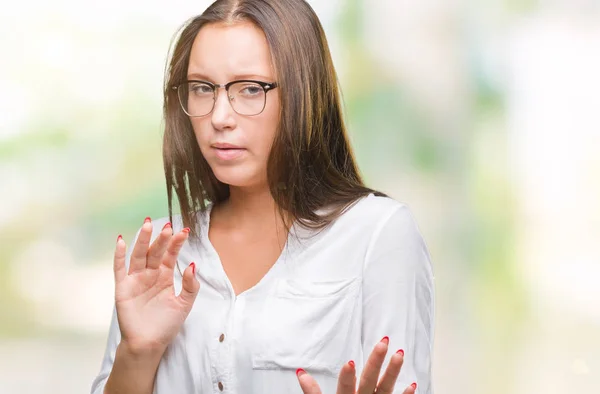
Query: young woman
(283, 273)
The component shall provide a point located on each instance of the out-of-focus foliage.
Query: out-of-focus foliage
(477, 115)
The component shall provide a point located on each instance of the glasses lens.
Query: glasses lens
(247, 98)
(196, 98)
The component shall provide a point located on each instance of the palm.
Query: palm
(141, 286)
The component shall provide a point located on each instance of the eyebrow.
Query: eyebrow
(236, 77)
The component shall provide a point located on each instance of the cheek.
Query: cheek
(258, 133)
(265, 134)
(201, 131)
(270, 123)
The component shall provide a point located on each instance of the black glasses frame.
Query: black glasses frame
(265, 85)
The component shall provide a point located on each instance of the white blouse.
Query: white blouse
(328, 299)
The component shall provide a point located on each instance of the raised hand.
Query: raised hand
(369, 380)
(149, 313)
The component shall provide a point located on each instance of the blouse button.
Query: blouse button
(221, 337)
(220, 386)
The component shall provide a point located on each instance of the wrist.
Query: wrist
(141, 351)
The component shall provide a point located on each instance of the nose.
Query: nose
(223, 115)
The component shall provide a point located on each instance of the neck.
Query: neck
(250, 205)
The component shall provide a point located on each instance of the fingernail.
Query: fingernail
(120, 237)
(186, 230)
(414, 386)
(147, 219)
(193, 265)
(385, 340)
(351, 363)
(300, 372)
(168, 225)
(401, 352)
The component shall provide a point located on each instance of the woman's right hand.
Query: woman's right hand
(149, 313)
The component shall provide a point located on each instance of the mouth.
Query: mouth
(225, 145)
(225, 151)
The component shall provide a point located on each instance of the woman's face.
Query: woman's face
(235, 146)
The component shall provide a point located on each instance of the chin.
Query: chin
(237, 176)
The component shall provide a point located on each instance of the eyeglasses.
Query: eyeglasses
(247, 97)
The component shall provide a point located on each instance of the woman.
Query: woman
(283, 273)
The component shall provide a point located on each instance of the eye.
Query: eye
(200, 89)
(251, 90)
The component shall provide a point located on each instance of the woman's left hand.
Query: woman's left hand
(369, 380)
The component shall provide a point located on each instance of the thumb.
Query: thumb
(189, 286)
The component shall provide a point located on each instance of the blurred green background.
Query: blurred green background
(481, 116)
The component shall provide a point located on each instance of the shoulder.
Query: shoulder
(385, 222)
(374, 211)
(367, 218)
(394, 240)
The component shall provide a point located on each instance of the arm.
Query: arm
(398, 297)
(133, 371)
(126, 370)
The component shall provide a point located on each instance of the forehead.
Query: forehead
(222, 52)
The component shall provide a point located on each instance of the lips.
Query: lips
(226, 151)
(225, 145)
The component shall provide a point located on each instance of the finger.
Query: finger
(140, 249)
(370, 375)
(347, 379)
(307, 383)
(189, 286)
(119, 260)
(388, 381)
(158, 247)
(169, 258)
(410, 389)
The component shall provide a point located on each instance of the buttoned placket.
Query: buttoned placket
(225, 352)
(224, 378)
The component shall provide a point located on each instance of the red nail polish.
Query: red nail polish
(120, 237)
(300, 372)
(414, 386)
(401, 352)
(351, 363)
(385, 340)
(147, 219)
(168, 225)
(186, 230)
(193, 265)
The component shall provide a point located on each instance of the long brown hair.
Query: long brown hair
(311, 165)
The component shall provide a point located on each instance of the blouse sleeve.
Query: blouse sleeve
(398, 298)
(114, 338)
